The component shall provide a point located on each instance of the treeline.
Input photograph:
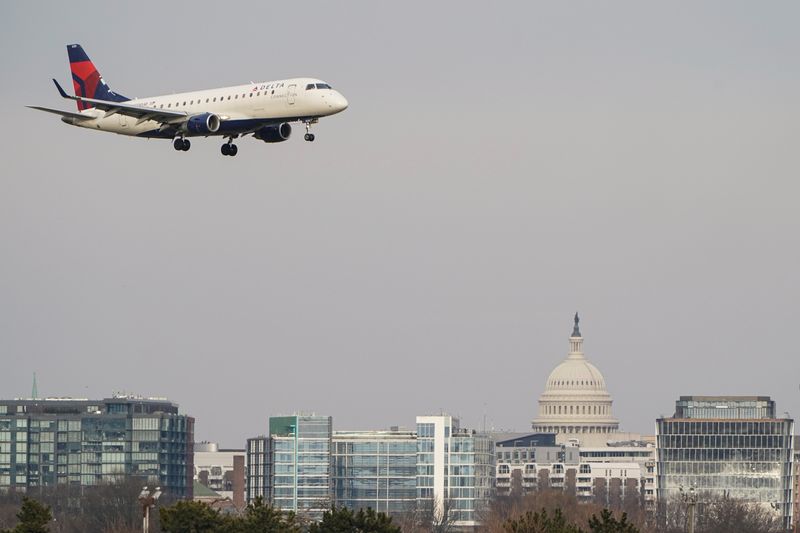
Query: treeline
(115, 509)
(199, 517)
(112, 508)
(557, 512)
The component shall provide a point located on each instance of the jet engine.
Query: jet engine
(204, 124)
(274, 134)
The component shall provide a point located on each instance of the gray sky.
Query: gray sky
(499, 167)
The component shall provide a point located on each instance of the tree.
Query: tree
(344, 520)
(540, 522)
(33, 518)
(724, 514)
(433, 515)
(551, 500)
(190, 517)
(608, 524)
(263, 518)
(718, 514)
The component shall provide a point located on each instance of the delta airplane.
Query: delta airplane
(263, 110)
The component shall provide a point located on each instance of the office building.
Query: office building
(522, 462)
(727, 446)
(613, 476)
(291, 467)
(376, 469)
(455, 470)
(441, 471)
(257, 468)
(82, 443)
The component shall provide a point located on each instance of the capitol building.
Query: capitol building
(576, 405)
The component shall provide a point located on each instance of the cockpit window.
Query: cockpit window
(323, 86)
(309, 86)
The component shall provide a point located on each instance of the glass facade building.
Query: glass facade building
(301, 463)
(440, 469)
(726, 446)
(257, 468)
(455, 470)
(81, 443)
(291, 468)
(376, 469)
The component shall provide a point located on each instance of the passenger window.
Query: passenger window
(184, 103)
(273, 91)
(169, 105)
(235, 97)
(206, 100)
(215, 98)
(251, 95)
(229, 97)
(259, 93)
(243, 95)
(162, 106)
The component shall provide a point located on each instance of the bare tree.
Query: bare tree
(427, 517)
(718, 514)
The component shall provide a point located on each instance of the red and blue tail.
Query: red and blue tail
(86, 79)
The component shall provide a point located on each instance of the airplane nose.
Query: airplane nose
(340, 102)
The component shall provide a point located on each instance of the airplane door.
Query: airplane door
(123, 120)
(291, 94)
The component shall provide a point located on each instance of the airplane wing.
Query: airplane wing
(77, 116)
(142, 114)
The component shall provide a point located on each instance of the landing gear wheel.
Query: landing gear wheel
(186, 145)
(309, 137)
(178, 144)
(233, 150)
(226, 149)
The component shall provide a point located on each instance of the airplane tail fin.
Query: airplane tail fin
(86, 79)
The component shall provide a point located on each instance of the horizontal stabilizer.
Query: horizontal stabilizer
(76, 116)
(61, 91)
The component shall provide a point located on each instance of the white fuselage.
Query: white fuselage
(240, 107)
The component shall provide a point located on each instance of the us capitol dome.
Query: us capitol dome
(575, 403)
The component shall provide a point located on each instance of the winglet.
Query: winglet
(60, 90)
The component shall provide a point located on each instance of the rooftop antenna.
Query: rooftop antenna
(34, 389)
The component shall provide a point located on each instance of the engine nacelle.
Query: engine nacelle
(204, 124)
(274, 134)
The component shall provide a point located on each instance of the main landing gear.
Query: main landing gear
(181, 144)
(229, 148)
(309, 136)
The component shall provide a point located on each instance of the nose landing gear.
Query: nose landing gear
(309, 136)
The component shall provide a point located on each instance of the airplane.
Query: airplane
(263, 110)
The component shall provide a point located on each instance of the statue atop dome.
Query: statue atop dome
(576, 331)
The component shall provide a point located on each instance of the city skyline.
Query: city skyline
(493, 174)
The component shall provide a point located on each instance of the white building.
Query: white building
(221, 470)
(455, 470)
(597, 462)
(575, 404)
(614, 476)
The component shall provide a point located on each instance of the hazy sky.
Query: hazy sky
(500, 167)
